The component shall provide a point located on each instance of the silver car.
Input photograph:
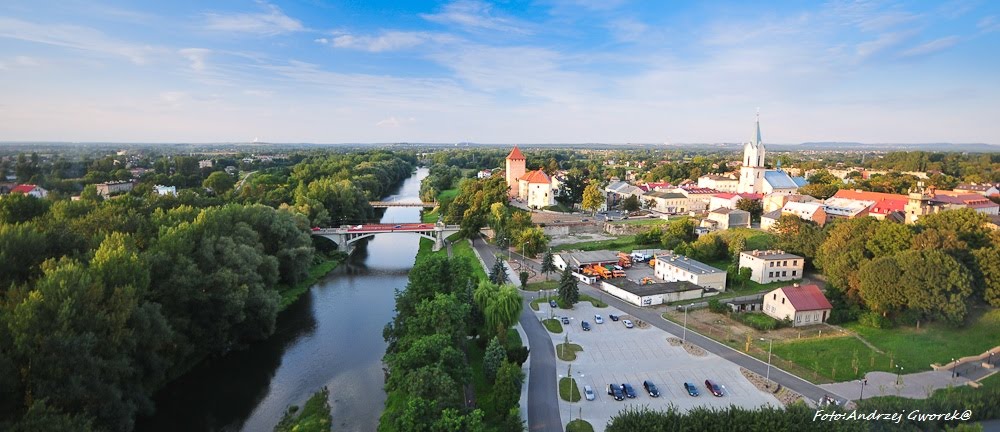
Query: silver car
(598, 319)
(588, 392)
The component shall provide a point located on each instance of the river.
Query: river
(331, 336)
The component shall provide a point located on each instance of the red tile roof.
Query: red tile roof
(24, 188)
(725, 195)
(806, 298)
(516, 154)
(887, 206)
(537, 176)
(701, 191)
(868, 196)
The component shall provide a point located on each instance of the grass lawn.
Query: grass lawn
(992, 381)
(915, 349)
(569, 390)
(448, 194)
(431, 216)
(646, 222)
(579, 426)
(553, 325)
(567, 352)
(583, 298)
(541, 286)
(833, 358)
(313, 417)
(534, 303)
(597, 303)
(623, 243)
(316, 272)
(755, 239)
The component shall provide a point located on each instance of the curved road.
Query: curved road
(543, 396)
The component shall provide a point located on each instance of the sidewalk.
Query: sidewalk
(918, 385)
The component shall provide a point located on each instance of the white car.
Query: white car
(598, 319)
(628, 323)
(588, 392)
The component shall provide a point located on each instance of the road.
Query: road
(543, 396)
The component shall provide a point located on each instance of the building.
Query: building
(165, 190)
(950, 200)
(667, 202)
(484, 174)
(767, 220)
(725, 218)
(205, 163)
(772, 265)
(810, 211)
(698, 197)
(842, 208)
(730, 200)
(777, 202)
(514, 169)
(114, 188)
(682, 268)
(802, 305)
(30, 189)
(535, 188)
(755, 177)
(984, 189)
(577, 260)
(617, 191)
(654, 293)
(722, 183)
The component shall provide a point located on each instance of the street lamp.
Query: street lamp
(991, 359)
(953, 364)
(767, 379)
(899, 371)
(863, 382)
(684, 337)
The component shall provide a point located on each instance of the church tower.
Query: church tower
(514, 169)
(752, 171)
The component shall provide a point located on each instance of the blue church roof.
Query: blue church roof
(801, 181)
(779, 180)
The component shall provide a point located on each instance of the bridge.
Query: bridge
(387, 204)
(346, 235)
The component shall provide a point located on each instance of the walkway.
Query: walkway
(914, 386)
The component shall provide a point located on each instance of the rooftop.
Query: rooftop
(516, 154)
(805, 297)
(537, 176)
(653, 288)
(589, 257)
(691, 266)
(779, 180)
(665, 195)
(770, 254)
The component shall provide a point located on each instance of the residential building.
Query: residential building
(514, 169)
(811, 211)
(802, 305)
(698, 197)
(30, 189)
(951, 200)
(113, 188)
(767, 220)
(484, 174)
(844, 208)
(682, 268)
(205, 163)
(725, 218)
(730, 200)
(722, 183)
(617, 191)
(777, 201)
(165, 190)
(768, 266)
(667, 202)
(984, 189)
(535, 188)
(755, 177)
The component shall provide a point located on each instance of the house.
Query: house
(484, 174)
(772, 265)
(30, 189)
(698, 197)
(811, 211)
(802, 305)
(113, 188)
(730, 200)
(753, 304)
(205, 163)
(843, 208)
(535, 188)
(722, 183)
(767, 220)
(578, 260)
(950, 200)
(724, 218)
(165, 190)
(984, 189)
(777, 201)
(617, 191)
(231, 170)
(654, 293)
(667, 202)
(681, 268)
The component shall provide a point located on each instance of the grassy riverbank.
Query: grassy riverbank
(322, 265)
(313, 417)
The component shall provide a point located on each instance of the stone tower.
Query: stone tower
(514, 169)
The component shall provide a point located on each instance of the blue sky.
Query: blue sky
(565, 71)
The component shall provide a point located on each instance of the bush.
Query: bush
(758, 321)
(517, 355)
(874, 320)
(716, 306)
(524, 278)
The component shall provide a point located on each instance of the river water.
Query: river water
(331, 336)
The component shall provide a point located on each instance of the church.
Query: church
(755, 178)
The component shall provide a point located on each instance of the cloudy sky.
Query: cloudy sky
(563, 71)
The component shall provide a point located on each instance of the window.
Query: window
(782, 300)
(770, 264)
(798, 319)
(770, 274)
(775, 297)
(784, 263)
(793, 272)
(784, 273)
(795, 262)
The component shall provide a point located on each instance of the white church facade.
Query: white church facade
(755, 177)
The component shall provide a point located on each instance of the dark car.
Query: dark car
(651, 389)
(553, 303)
(628, 390)
(616, 392)
(613, 317)
(691, 389)
(714, 388)
(565, 320)
(586, 326)
(397, 227)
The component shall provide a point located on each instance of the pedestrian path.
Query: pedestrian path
(918, 385)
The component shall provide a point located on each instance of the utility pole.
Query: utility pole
(684, 337)
(767, 379)
(863, 382)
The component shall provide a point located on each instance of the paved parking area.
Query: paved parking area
(613, 353)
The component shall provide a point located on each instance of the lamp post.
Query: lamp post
(684, 337)
(991, 359)
(953, 364)
(863, 382)
(899, 371)
(767, 379)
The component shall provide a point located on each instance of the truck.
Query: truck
(652, 262)
(603, 272)
(617, 273)
(624, 260)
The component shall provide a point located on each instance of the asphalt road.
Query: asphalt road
(543, 396)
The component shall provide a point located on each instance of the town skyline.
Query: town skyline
(466, 71)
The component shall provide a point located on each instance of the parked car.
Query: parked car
(598, 319)
(628, 323)
(565, 320)
(553, 303)
(584, 220)
(651, 389)
(714, 388)
(628, 390)
(691, 389)
(613, 317)
(588, 392)
(585, 325)
(557, 221)
(616, 392)
(624, 217)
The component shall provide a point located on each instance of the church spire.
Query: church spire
(756, 137)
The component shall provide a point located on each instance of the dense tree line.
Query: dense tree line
(439, 178)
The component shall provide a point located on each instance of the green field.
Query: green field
(541, 286)
(553, 325)
(833, 358)
(569, 390)
(623, 244)
(567, 352)
(579, 426)
(462, 248)
(992, 381)
(645, 222)
(560, 208)
(431, 216)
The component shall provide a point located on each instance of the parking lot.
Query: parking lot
(613, 353)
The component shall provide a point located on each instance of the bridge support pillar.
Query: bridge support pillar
(438, 240)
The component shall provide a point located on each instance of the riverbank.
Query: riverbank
(322, 265)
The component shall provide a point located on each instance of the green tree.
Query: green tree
(524, 278)
(17, 208)
(569, 292)
(844, 251)
(503, 310)
(937, 285)
(498, 274)
(969, 224)
(22, 249)
(798, 236)
(988, 266)
(753, 206)
(880, 286)
(219, 181)
(631, 203)
(493, 358)
(507, 388)
(593, 197)
(889, 238)
(819, 190)
(548, 264)
(532, 241)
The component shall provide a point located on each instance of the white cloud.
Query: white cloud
(268, 23)
(931, 47)
(323, 41)
(881, 43)
(988, 24)
(387, 41)
(628, 29)
(74, 37)
(476, 16)
(393, 122)
(196, 56)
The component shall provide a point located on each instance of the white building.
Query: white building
(30, 189)
(652, 294)
(667, 202)
(772, 265)
(722, 183)
(682, 268)
(205, 163)
(484, 174)
(802, 305)
(535, 188)
(165, 190)
(755, 178)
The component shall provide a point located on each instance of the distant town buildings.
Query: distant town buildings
(30, 189)
(113, 188)
(165, 190)
(205, 163)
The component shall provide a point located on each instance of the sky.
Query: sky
(541, 71)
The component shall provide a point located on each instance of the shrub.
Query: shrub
(874, 320)
(758, 321)
(716, 306)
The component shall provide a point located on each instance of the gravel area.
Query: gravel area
(694, 350)
(785, 396)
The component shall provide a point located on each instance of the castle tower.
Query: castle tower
(514, 169)
(752, 171)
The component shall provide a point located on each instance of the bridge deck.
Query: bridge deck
(386, 204)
